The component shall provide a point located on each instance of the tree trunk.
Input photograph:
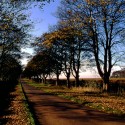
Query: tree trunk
(45, 80)
(68, 80)
(77, 80)
(57, 79)
(42, 80)
(106, 83)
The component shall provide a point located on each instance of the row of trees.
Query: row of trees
(86, 29)
(13, 36)
(58, 52)
(119, 74)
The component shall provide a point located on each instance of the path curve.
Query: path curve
(52, 110)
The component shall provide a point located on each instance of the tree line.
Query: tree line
(86, 30)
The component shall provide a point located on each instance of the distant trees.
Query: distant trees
(51, 43)
(40, 66)
(49, 60)
(119, 74)
(64, 48)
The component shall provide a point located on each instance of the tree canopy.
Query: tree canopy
(103, 22)
(14, 29)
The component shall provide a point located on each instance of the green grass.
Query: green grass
(27, 107)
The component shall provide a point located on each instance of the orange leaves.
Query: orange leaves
(90, 2)
(103, 2)
(60, 36)
(69, 12)
(50, 38)
(4, 26)
(90, 33)
(98, 2)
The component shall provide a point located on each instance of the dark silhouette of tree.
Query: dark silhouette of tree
(11, 69)
(14, 28)
(65, 46)
(76, 38)
(119, 74)
(13, 34)
(40, 66)
(104, 24)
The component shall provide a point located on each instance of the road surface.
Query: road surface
(52, 110)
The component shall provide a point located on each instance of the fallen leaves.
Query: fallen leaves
(103, 102)
(17, 114)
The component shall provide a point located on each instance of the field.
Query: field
(116, 86)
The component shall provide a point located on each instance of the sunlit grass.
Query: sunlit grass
(26, 105)
(85, 89)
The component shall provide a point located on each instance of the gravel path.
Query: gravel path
(52, 110)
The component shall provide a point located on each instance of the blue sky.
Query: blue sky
(44, 18)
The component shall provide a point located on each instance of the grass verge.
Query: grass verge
(27, 107)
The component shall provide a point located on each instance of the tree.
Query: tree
(72, 47)
(105, 28)
(12, 69)
(67, 45)
(40, 66)
(12, 35)
(104, 22)
(49, 42)
(77, 39)
(57, 43)
(27, 3)
(13, 30)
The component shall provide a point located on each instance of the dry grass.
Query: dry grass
(108, 103)
(85, 89)
(92, 98)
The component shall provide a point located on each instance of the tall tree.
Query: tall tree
(50, 43)
(12, 34)
(76, 34)
(13, 29)
(104, 22)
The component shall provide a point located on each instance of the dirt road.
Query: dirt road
(52, 110)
